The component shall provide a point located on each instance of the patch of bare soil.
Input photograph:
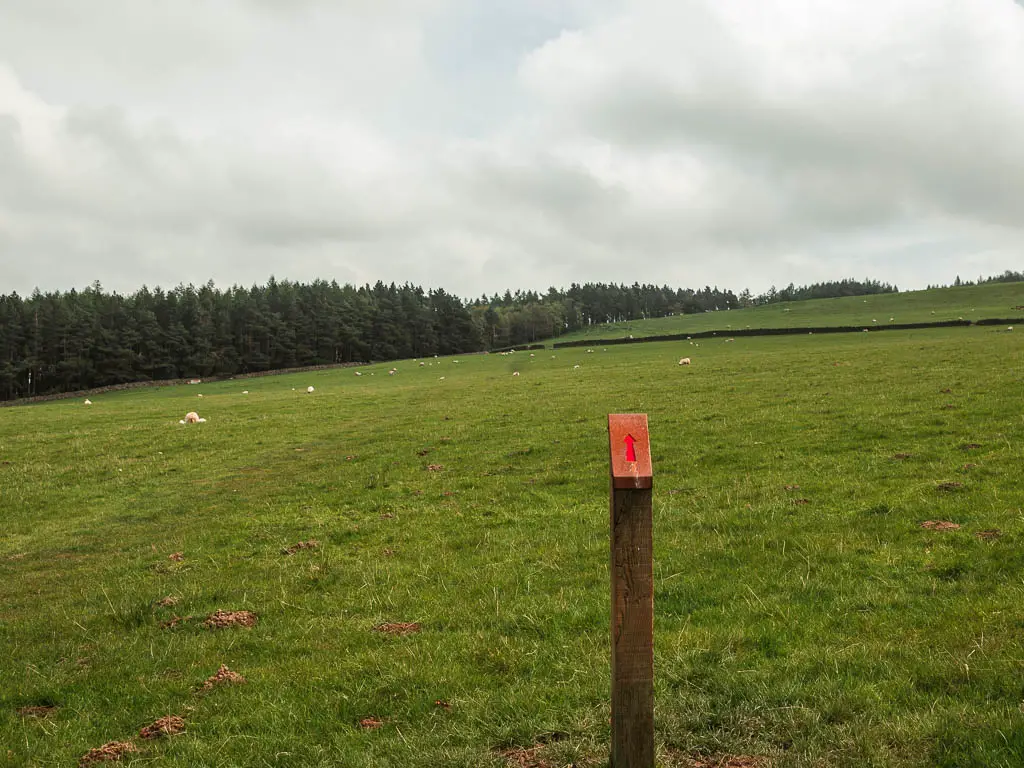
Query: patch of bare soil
(969, 466)
(940, 525)
(970, 446)
(370, 723)
(220, 619)
(387, 516)
(525, 757)
(38, 710)
(793, 487)
(176, 557)
(311, 544)
(902, 456)
(174, 621)
(435, 468)
(442, 704)
(388, 552)
(109, 752)
(398, 628)
(949, 485)
(423, 452)
(167, 602)
(989, 535)
(17, 556)
(727, 761)
(165, 726)
(223, 676)
(946, 391)
(948, 407)
(349, 458)
(801, 501)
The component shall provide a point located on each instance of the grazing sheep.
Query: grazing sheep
(245, 391)
(422, 364)
(309, 390)
(89, 402)
(575, 367)
(191, 418)
(200, 394)
(684, 361)
(515, 373)
(441, 379)
(392, 372)
(1010, 328)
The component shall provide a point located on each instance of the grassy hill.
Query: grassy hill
(973, 302)
(803, 615)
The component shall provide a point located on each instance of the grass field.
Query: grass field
(971, 302)
(817, 625)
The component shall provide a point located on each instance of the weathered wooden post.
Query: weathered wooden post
(632, 625)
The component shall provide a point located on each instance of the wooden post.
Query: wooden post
(632, 577)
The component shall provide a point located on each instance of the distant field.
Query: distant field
(969, 302)
(803, 615)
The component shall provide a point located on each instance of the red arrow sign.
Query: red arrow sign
(630, 453)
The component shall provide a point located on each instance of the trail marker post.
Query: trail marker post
(632, 577)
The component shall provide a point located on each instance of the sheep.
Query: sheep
(684, 361)
(392, 372)
(441, 379)
(245, 391)
(89, 402)
(309, 390)
(191, 418)
(422, 364)
(1010, 328)
(575, 367)
(515, 373)
(360, 373)
(200, 394)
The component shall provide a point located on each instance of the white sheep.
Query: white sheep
(200, 394)
(191, 418)
(89, 402)
(515, 373)
(245, 391)
(422, 364)
(575, 367)
(309, 390)
(359, 373)
(684, 361)
(1010, 328)
(441, 379)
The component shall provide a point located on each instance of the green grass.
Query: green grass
(972, 302)
(835, 632)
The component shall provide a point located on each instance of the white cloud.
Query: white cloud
(684, 141)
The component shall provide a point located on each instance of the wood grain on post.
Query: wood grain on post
(632, 582)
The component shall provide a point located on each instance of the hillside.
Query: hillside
(974, 302)
(450, 606)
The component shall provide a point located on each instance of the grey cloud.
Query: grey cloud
(480, 147)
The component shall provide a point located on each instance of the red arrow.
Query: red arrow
(630, 453)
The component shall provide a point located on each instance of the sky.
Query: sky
(479, 146)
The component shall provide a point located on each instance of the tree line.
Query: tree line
(73, 340)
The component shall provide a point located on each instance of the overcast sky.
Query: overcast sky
(479, 145)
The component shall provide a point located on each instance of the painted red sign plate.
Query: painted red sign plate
(630, 450)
